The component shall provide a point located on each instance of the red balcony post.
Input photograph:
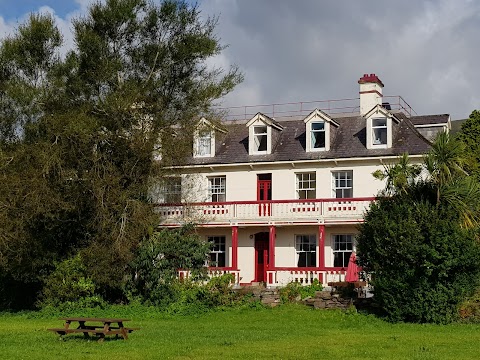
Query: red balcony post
(271, 250)
(321, 246)
(235, 247)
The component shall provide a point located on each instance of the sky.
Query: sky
(312, 50)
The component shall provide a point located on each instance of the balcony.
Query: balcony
(271, 211)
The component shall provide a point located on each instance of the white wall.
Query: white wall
(241, 183)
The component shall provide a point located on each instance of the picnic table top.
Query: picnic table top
(104, 320)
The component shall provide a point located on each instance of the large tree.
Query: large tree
(78, 133)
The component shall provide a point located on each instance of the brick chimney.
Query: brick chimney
(370, 92)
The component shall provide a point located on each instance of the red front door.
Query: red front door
(264, 192)
(261, 256)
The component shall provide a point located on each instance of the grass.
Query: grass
(287, 332)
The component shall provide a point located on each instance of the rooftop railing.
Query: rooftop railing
(340, 107)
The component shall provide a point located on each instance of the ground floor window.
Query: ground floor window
(306, 249)
(218, 252)
(342, 249)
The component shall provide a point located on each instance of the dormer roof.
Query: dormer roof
(267, 120)
(380, 110)
(317, 113)
(205, 122)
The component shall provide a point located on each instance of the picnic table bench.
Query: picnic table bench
(92, 326)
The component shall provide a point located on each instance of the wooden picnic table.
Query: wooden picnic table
(95, 326)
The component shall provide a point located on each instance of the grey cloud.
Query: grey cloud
(312, 50)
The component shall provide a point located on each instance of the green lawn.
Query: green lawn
(281, 333)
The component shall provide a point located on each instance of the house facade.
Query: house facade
(280, 196)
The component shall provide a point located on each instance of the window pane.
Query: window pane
(218, 251)
(342, 249)
(217, 189)
(305, 246)
(343, 184)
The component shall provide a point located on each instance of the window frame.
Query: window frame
(308, 190)
(343, 189)
(316, 131)
(300, 244)
(256, 136)
(215, 190)
(382, 128)
(349, 240)
(204, 142)
(172, 190)
(215, 252)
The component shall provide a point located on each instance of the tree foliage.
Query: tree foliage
(159, 258)
(78, 133)
(469, 135)
(420, 245)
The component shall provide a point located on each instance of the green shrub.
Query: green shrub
(158, 260)
(68, 286)
(294, 291)
(423, 263)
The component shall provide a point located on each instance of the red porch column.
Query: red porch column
(321, 246)
(271, 248)
(235, 247)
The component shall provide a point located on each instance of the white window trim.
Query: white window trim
(168, 190)
(210, 188)
(343, 251)
(326, 131)
(252, 136)
(318, 116)
(297, 251)
(378, 112)
(211, 238)
(297, 182)
(334, 185)
(196, 143)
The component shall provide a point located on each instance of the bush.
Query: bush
(295, 291)
(158, 260)
(68, 286)
(423, 264)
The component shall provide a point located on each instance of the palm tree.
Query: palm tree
(399, 176)
(445, 164)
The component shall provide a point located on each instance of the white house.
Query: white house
(280, 196)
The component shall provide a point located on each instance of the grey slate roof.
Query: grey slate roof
(348, 140)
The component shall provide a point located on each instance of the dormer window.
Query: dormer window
(379, 131)
(204, 143)
(262, 134)
(260, 139)
(317, 130)
(317, 135)
(204, 138)
(379, 128)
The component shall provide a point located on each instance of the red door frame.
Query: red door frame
(262, 254)
(264, 192)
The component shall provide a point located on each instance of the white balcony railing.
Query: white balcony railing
(212, 272)
(272, 210)
(303, 277)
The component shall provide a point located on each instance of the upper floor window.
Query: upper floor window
(343, 184)
(379, 131)
(317, 135)
(260, 138)
(318, 130)
(342, 249)
(172, 190)
(306, 249)
(218, 251)
(204, 143)
(217, 189)
(306, 185)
